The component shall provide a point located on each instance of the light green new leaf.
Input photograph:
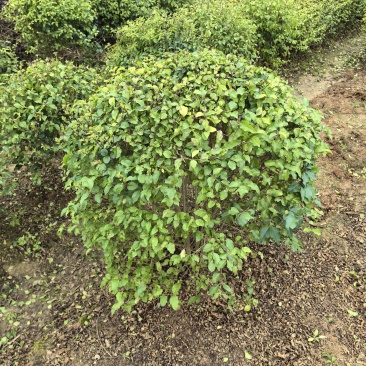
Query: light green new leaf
(174, 302)
(163, 300)
(183, 110)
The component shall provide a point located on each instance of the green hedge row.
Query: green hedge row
(266, 31)
(214, 24)
(320, 18)
(66, 26)
(110, 14)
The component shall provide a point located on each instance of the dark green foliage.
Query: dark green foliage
(176, 163)
(34, 107)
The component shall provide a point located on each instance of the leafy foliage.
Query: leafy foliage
(48, 26)
(8, 60)
(113, 13)
(177, 162)
(34, 107)
(288, 27)
(277, 28)
(263, 31)
(207, 24)
(320, 18)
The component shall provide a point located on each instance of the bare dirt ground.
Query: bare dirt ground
(312, 305)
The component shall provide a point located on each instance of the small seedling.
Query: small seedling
(316, 337)
(352, 313)
(247, 355)
(329, 358)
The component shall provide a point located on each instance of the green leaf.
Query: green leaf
(177, 163)
(98, 198)
(119, 216)
(245, 251)
(114, 114)
(194, 153)
(115, 307)
(227, 288)
(207, 248)
(163, 300)
(183, 110)
(247, 127)
(216, 277)
(171, 248)
(231, 165)
(247, 355)
(174, 302)
(176, 288)
(223, 195)
(88, 183)
(291, 221)
(294, 188)
(352, 313)
(211, 266)
(243, 190)
(244, 218)
(232, 105)
(315, 231)
(269, 232)
(211, 204)
(194, 299)
(233, 211)
(213, 290)
(308, 193)
(193, 164)
(255, 141)
(112, 101)
(167, 154)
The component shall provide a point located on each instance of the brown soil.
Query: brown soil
(53, 312)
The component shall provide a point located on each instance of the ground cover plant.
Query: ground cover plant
(176, 163)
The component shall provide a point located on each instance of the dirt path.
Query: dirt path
(52, 311)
